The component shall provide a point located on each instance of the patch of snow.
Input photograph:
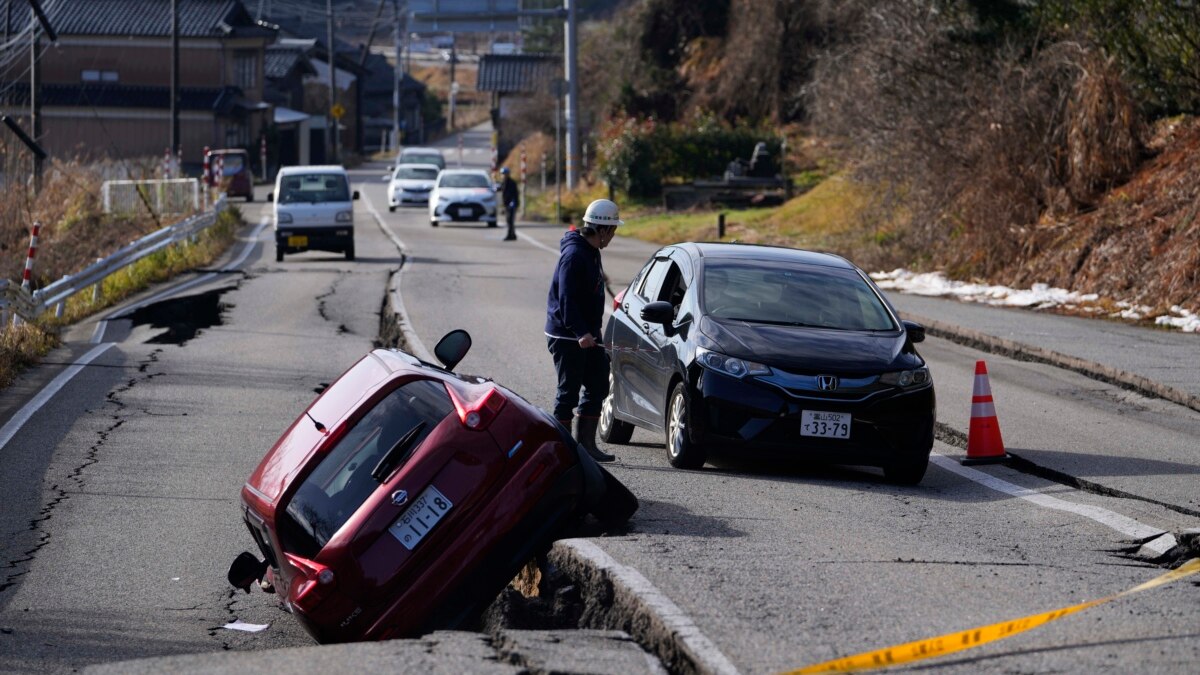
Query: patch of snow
(1040, 296)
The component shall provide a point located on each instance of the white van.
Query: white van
(314, 210)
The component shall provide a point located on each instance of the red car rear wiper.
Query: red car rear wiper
(396, 456)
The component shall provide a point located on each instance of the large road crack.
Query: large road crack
(76, 479)
(342, 329)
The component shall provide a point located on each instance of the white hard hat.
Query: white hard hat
(602, 212)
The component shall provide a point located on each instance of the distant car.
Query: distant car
(406, 497)
(463, 195)
(411, 184)
(314, 210)
(416, 155)
(768, 351)
(236, 179)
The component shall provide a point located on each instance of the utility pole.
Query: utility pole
(175, 140)
(572, 71)
(333, 120)
(398, 81)
(453, 82)
(35, 98)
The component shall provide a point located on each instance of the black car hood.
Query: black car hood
(810, 349)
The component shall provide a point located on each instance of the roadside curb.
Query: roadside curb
(1026, 352)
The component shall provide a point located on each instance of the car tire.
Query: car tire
(250, 197)
(492, 223)
(617, 505)
(350, 252)
(613, 430)
(907, 470)
(391, 209)
(278, 254)
(433, 223)
(682, 452)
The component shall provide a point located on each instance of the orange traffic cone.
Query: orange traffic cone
(984, 445)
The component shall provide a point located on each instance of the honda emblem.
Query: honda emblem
(827, 382)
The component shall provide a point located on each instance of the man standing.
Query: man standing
(574, 312)
(511, 197)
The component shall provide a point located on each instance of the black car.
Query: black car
(767, 350)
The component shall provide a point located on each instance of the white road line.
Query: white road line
(686, 631)
(653, 598)
(1123, 524)
(98, 334)
(23, 415)
(538, 244)
(413, 342)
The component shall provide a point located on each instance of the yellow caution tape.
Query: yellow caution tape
(957, 642)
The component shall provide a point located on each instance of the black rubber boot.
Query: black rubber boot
(585, 434)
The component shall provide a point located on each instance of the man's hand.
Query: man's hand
(587, 341)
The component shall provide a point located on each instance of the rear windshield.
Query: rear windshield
(413, 172)
(313, 188)
(467, 180)
(342, 481)
(804, 295)
(423, 158)
(232, 163)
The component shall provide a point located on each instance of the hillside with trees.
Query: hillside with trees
(1003, 140)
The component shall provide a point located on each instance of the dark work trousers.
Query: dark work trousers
(578, 367)
(510, 212)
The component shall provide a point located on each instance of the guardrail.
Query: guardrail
(29, 306)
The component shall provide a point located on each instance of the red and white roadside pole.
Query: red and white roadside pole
(27, 276)
(205, 176)
(524, 187)
(219, 172)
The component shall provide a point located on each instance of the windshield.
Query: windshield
(342, 481)
(232, 163)
(313, 188)
(464, 180)
(792, 295)
(435, 159)
(413, 172)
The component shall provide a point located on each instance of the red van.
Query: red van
(236, 178)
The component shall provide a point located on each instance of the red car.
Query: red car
(407, 496)
(235, 179)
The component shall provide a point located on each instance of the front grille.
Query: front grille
(455, 211)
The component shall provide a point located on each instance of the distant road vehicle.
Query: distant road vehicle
(416, 155)
(505, 48)
(406, 497)
(768, 351)
(463, 195)
(410, 184)
(314, 210)
(236, 178)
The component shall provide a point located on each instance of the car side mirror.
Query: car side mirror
(245, 570)
(452, 348)
(660, 312)
(355, 196)
(916, 332)
(270, 196)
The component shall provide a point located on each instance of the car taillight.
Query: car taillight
(618, 298)
(317, 580)
(476, 414)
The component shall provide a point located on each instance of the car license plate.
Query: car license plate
(825, 424)
(464, 212)
(420, 517)
(298, 240)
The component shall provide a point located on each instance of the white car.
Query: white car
(314, 210)
(463, 195)
(411, 184)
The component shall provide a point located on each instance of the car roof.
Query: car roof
(422, 150)
(464, 171)
(418, 165)
(735, 251)
(320, 168)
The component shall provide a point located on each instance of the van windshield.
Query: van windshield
(342, 481)
(233, 163)
(311, 188)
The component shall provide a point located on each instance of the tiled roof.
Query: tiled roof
(219, 99)
(144, 18)
(516, 73)
(280, 60)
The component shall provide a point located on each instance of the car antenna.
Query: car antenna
(320, 427)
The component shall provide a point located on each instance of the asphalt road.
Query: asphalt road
(121, 511)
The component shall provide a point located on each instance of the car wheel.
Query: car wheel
(391, 209)
(907, 470)
(278, 254)
(613, 430)
(433, 223)
(250, 197)
(681, 451)
(492, 223)
(617, 504)
(350, 253)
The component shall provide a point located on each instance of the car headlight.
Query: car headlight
(907, 378)
(282, 218)
(729, 365)
(344, 217)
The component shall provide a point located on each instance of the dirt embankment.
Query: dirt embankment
(1142, 241)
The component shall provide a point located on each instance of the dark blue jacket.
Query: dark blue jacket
(575, 305)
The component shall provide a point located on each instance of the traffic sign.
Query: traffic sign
(337, 111)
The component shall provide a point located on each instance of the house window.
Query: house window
(99, 76)
(245, 69)
(237, 135)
